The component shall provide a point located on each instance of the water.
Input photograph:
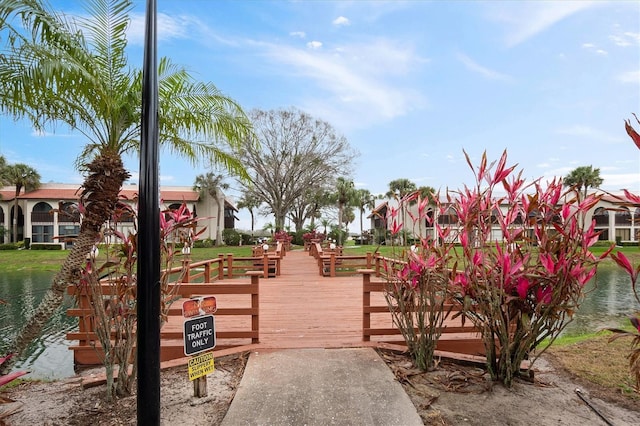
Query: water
(608, 305)
(49, 357)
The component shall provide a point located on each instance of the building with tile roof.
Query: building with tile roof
(617, 218)
(50, 214)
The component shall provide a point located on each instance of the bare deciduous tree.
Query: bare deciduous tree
(294, 152)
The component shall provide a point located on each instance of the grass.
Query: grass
(583, 356)
(50, 260)
(31, 260)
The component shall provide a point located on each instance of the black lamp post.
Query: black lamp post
(148, 331)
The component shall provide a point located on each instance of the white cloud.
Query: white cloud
(582, 131)
(314, 44)
(619, 41)
(359, 81)
(169, 27)
(527, 19)
(629, 77)
(594, 48)
(174, 27)
(635, 37)
(341, 21)
(300, 34)
(625, 39)
(486, 72)
(620, 181)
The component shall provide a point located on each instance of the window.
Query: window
(42, 233)
(42, 212)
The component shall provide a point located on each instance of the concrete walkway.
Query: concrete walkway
(320, 387)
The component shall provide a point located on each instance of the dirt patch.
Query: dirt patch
(455, 394)
(66, 403)
(452, 394)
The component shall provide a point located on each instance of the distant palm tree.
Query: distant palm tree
(213, 184)
(364, 200)
(398, 189)
(583, 178)
(59, 70)
(251, 203)
(325, 223)
(343, 195)
(20, 176)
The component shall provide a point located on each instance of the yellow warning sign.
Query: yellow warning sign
(201, 365)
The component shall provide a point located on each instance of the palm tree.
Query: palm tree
(583, 178)
(20, 176)
(75, 72)
(325, 223)
(3, 165)
(213, 184)
(398, 189)
(364, 200)
(251, 203)
(343, 196)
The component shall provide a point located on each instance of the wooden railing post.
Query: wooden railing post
(207, 272)
(230, 265)
(221, 266)
(369, 259)
(255, 303)
(332, 265)
(366, 302)
(187, 274)
(85, 322)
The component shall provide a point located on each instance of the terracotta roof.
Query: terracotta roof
(7, 195)
(165, 195)
(72, 192)
(52, 194)
(618, 199)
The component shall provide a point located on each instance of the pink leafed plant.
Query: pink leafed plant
(634, 272)
(515, 258)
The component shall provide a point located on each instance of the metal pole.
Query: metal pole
(148, 399)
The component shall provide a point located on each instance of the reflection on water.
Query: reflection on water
(606, 305)
(48, 357)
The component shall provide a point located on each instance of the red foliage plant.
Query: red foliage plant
(634, 272)
(514, 255)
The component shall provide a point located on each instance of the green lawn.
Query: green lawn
(50, 260)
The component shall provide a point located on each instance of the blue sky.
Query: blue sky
(410, 84)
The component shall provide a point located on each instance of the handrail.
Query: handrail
(88, 351)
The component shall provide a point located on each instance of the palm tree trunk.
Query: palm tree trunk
(220, 220)
(99, 198)
(15, 217)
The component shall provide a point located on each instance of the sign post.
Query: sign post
(199, 337)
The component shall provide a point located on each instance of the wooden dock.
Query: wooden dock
(297, 309)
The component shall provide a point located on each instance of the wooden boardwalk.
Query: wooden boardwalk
(297, 309)
(301, 309)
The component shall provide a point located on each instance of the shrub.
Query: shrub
(517, 296)
(231, 237)
(45, 246)
(206, 243)
(9, 246)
